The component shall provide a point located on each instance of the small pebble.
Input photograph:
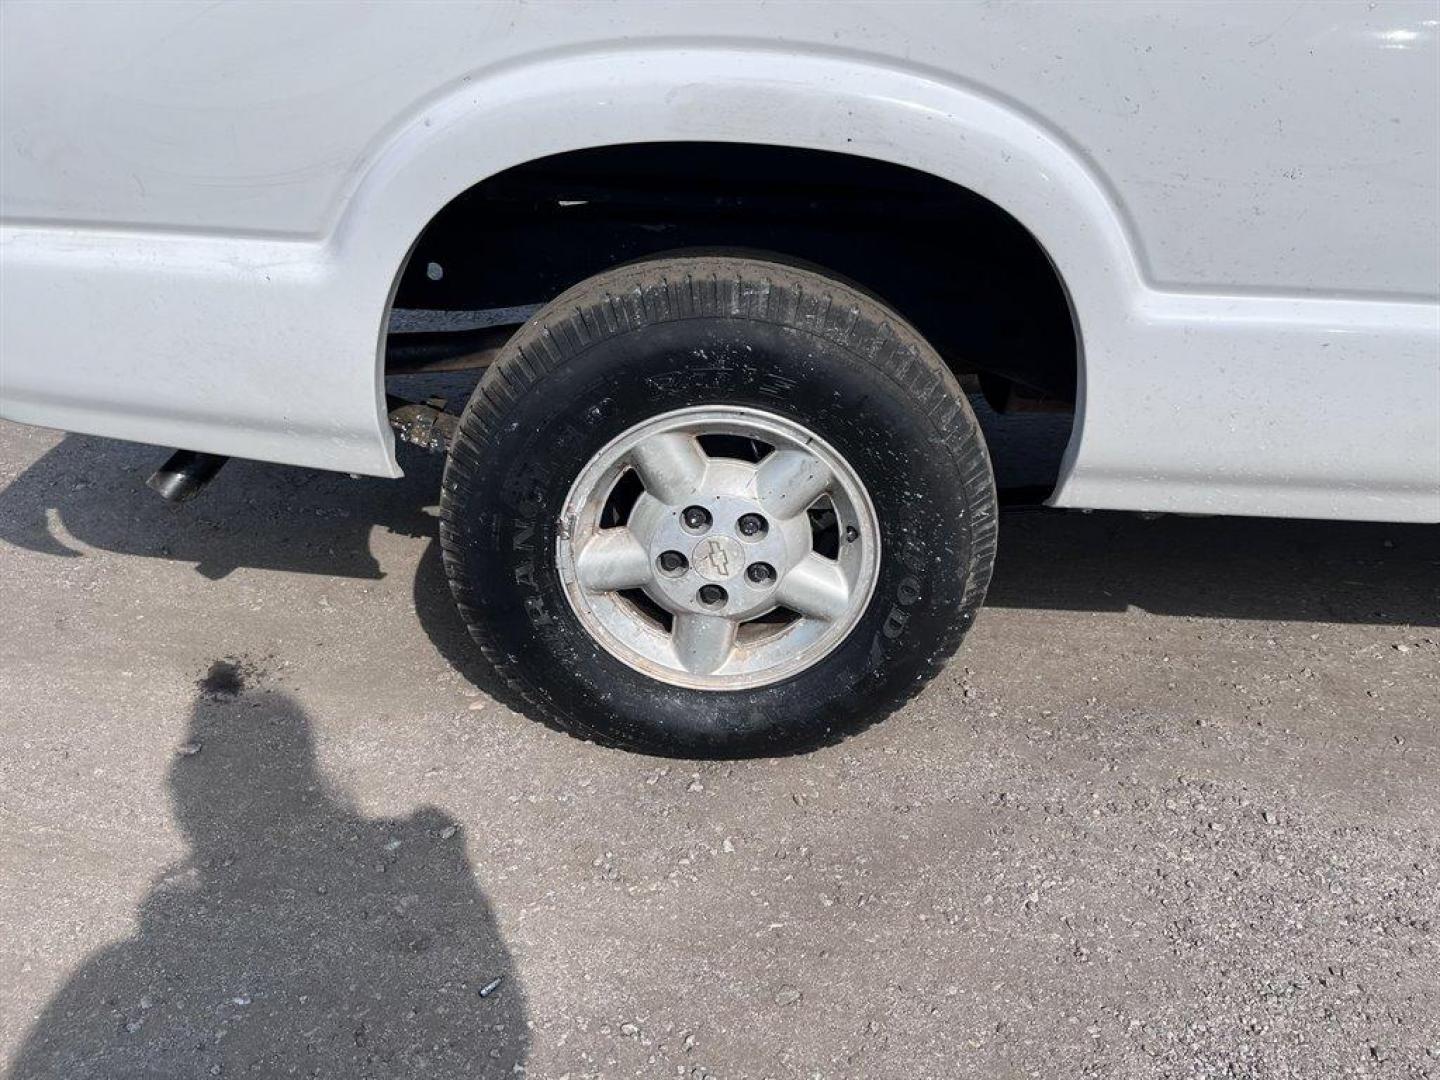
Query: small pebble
(787, 995)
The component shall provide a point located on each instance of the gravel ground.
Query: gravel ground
(1173, 812)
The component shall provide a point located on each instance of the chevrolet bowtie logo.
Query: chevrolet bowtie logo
(719, 561)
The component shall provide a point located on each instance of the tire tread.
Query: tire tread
(648, 292)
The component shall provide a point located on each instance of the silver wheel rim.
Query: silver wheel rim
(773, 571)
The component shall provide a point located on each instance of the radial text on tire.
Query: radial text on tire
(717, 506)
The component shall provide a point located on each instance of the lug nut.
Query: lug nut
(712, 595)
(751, 525)
(696, 518)
(672, 562)
(761, 573)
(851, 534)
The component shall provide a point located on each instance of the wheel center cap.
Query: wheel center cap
(717, 558)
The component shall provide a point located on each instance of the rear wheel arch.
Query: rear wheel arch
(966, 273)
(823, 102)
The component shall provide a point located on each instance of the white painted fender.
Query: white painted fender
(486, 125)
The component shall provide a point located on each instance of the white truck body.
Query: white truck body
(205, 207)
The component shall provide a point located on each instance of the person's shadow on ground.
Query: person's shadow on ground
(300, 938)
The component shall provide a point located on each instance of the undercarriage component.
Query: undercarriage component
(444, 350)
(184, 475)
(425, 424)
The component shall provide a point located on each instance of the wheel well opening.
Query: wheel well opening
(966, 273)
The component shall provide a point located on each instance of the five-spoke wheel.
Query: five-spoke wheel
(722, 567)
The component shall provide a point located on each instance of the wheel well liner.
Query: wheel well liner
(967, 273)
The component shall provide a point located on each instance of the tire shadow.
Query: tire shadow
(256, 515)
(440, 619)
(284, 518)
(298, 937)
(1228, 568)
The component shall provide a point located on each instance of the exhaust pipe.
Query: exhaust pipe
(184, 475)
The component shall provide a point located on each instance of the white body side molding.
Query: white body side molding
(202, 223)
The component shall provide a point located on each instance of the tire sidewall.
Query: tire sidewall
(504, 521)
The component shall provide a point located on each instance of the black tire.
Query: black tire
(670, 333)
